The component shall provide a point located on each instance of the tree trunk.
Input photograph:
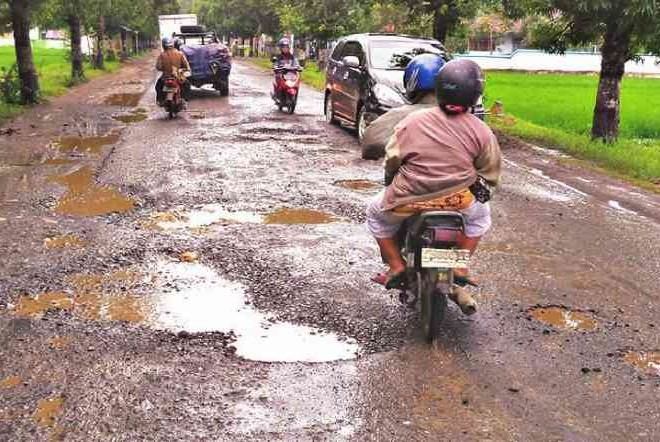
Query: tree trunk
(20, 19)
(124, 49)
(99, 42)
(441, 21)
(77, 70)
(615, 53)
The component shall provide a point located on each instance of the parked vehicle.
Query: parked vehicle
(210, 60)
(429, 243)
(172, 88)
(364, 76)
(286, 87)
(171, 24)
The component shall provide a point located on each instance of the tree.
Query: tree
(20, 19)
(447, 14)
(624, 28)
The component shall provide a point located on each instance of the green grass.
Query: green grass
(54, 69)
(310, 75)
(556, 110)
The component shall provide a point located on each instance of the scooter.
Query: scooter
(172, 89)
(429, 242)
(287, 85)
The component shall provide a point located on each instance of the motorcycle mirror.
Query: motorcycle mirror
(351, 61)
(273, 60)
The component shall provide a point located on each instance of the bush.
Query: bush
(10, 85)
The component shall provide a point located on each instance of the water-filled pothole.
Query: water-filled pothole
(359, 185)
(564, 318)
(134, 117)
(127, 100)
(89, 144)
(85, 198)
(299, 216)
(10, 382)
(58, 242)
(48, 411)
(645, 361)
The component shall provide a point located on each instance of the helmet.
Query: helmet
(177, 43)
(459, 85)
(168, 43)
(284, 42)
(421, 73)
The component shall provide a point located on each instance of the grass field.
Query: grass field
(557, 110)
(54, 70)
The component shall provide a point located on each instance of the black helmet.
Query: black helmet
(459, 85)
(177, 43)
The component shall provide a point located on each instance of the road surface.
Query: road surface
(207, 278)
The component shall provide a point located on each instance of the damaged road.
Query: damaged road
(209, 278)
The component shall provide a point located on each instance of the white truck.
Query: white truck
(170, 24)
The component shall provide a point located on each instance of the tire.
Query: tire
(329, 112)
(291, 106)
(361, 124)
(433, 304)
(223, 87)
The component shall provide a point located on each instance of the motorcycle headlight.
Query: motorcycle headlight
(388, 96)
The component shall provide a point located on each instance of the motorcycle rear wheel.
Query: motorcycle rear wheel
(291, 105)
(433, 303)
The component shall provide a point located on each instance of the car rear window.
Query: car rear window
(396, 54)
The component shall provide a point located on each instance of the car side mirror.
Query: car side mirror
(351, 61)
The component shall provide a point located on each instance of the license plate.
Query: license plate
(169, 89)
(445, 258)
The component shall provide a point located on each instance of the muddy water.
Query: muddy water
(134, 117)
(647, 362)
(202, 217)
(206, 302)
(58, 242)
(299, 216)
(58, 342)
(48, 411)
(358, 185)
(31, 306)
(85, 198)
(563, 318)
(11, 382)
(59, 161)
(91, 144)
(127, 100)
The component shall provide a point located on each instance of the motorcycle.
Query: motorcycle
(429, 242)
(172, 88)
(287, 85)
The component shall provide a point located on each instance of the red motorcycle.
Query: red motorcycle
(287, 84)
(172, 90)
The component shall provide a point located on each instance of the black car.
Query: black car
(364, 76)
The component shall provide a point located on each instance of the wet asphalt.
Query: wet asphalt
(183, 281)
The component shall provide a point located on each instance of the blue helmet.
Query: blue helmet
(421, 74)
(168, 43)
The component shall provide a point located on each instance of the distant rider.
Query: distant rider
(285, 57)
(419, 81)
(169, 60)
(441, 158)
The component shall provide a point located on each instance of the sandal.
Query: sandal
(397, 281)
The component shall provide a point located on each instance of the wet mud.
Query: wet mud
(86, 198)
(647, 362)
(59, 242)
(563, 318)
(48, 411)
(125, 99)
(38, 305)
(10, 382)
(299, 216)
(359, 185)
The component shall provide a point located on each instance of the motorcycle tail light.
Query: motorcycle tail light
(445, 236)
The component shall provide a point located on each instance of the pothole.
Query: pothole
(58, 242)
(647, 362)
(87, 144)
(358, 185)
(85, 198)
(59, 161)
(48, 411)
(127, 100)
(133, 117)
(563, 318)
(10, 382)
(59, 342)
(216, 214)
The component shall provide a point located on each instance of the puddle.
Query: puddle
(134, 117)
(202, 217)
(563, 318)
(85, 198)
(59, 342)
(207, 302)
(359, 185)
(299, 216)
(91, 144)
(197, 115)
(128, 100)
(58, 242)
(647, 362)
(48, 410)
(10, 382)
(31, 306)
(617, 206)
(59, 161)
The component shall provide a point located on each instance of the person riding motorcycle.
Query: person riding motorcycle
(441, 158)
(285, 56)
(168, 60)
(419, 81)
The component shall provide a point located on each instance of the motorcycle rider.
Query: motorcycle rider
(285, 56)
(168, 60)
(419, 81)
(441, 158)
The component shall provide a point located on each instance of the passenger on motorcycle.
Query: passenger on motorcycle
(442, 158)
(419, 81)
(170, 59)
(285, 57)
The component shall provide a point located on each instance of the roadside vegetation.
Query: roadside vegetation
(311, 75)
(555, 110)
